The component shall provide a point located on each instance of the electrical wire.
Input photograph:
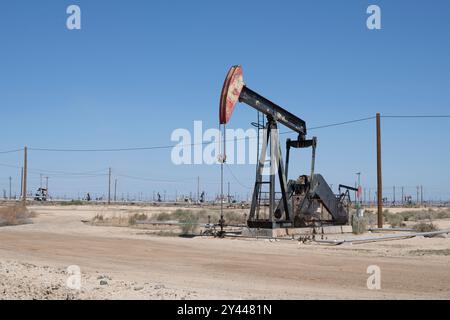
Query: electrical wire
(151, 179)
(183, 145)
(206, 143)
(235, 178)
(11, 151)
(416, 116)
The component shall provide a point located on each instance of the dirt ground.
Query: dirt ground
(127, 263)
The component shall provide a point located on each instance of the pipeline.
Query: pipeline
(385, 238)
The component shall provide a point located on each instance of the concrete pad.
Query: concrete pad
(286, 232)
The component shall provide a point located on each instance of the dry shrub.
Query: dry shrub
(163, 216)
(394, 219)
(425, 227)
(232, 217)
(15, 215)
(72, 203)
(137, 217)
(118, 221)
(429, 214)
(359, 224)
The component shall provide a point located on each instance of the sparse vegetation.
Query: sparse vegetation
(399, 219)
(359, 224)
(120, 220)
(442, 252)
(163, 216)
(189, 223)
(72, 203)
(15, 215)
(189, 219)
(425, 227)
(233, 217)
(395, 220)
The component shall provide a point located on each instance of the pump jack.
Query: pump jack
(301, 198)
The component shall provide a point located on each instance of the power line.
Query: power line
(154, 180)
(9, 166)
(235, 178)
(181, 145)
(209, 142)
(342, 123)
(108, 150)
(57, 173)
(416, 116)
(11, 151)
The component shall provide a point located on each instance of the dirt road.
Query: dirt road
(136, 265)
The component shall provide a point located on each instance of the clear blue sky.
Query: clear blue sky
(137, 70)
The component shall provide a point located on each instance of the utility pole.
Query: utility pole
(21, 182)
(198, 189)
(46, 184)
(10, 188)
(417, 195)
(115, 190)
(357, 193)
(24, 182)
(379, 177)
(109, 186)
(403, 197)
(394, 196)
(229, 199)
(40, 180)
(421, 195)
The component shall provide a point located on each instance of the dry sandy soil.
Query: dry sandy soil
(127, 263)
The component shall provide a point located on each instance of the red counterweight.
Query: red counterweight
(231, 90)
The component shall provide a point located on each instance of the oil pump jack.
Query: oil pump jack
(301, 199)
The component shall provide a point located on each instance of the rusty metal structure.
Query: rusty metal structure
(300, 202)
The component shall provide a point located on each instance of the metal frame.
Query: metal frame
(270, 137)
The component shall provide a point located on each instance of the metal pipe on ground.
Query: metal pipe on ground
(390, 229)
(384, 238)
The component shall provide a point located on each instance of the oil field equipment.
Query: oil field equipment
(41, 194)
(300, 202)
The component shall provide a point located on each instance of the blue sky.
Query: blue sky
(137, 70)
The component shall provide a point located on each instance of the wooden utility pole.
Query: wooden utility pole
(403, 197)
(198, 189)
(379, 177)
(394, 196)
(417, 195)
(115, 190)
(421, 195)
(24, 183)
(109, 186)
(10, 188)
(21, 182)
